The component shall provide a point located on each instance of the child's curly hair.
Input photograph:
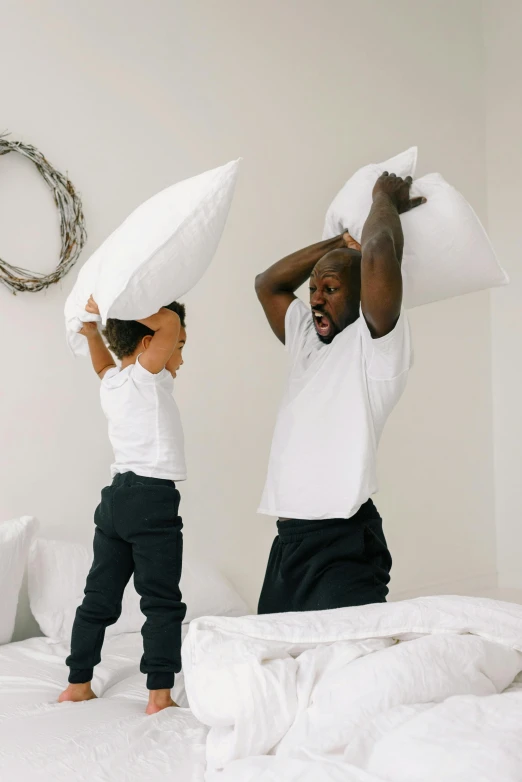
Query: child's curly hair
(124, 336)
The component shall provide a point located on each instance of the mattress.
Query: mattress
(110, 738)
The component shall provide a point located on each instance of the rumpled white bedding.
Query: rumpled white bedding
(423, 690)
(110, 739)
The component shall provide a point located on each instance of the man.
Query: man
(349, 361)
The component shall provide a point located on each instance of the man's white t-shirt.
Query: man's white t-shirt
(323, 461)
(144, 423)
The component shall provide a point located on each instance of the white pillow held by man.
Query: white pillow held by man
(351, 206)
(447, 252)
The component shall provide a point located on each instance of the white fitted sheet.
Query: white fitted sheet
(109, 739)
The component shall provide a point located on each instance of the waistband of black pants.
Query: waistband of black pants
(131, 479)
(296, 529)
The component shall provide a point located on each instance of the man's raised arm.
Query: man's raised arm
(276, 286)
(382, 245)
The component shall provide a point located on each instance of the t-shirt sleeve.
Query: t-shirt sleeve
(299, 327)
(109, 376)
(142, 375)
(390, 356)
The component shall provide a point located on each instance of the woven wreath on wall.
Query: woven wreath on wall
(72, 224)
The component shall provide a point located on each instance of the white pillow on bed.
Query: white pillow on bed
(57, 573)
(157, 255)
(447, 252)
(15, 539)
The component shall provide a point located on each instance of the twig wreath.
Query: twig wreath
(72, 224)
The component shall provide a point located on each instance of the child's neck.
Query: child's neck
(128, 360)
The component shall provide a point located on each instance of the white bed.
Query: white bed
(425, 690)
(415, 691)
(110, 738)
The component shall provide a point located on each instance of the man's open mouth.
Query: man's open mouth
(323, 324)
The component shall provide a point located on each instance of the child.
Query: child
(138, 529)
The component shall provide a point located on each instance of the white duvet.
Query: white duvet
(424, 690)
(110, 739)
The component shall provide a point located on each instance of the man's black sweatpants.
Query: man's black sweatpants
(333, 563)
(138, 531)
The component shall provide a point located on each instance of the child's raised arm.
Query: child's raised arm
(166, 326)
(101, 358)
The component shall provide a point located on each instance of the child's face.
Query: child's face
(176, 360)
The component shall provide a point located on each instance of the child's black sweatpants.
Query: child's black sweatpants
(333, 563)
(138, 531)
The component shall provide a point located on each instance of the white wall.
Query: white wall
(502, 27)
(131, 96)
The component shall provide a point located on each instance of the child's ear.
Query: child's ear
(146, 341)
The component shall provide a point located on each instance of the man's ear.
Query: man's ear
(145, 342)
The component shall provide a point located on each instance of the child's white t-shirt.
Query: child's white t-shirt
(323, 461)
(144, 423)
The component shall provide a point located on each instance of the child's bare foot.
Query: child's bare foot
(159, 700)
(77, 693)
